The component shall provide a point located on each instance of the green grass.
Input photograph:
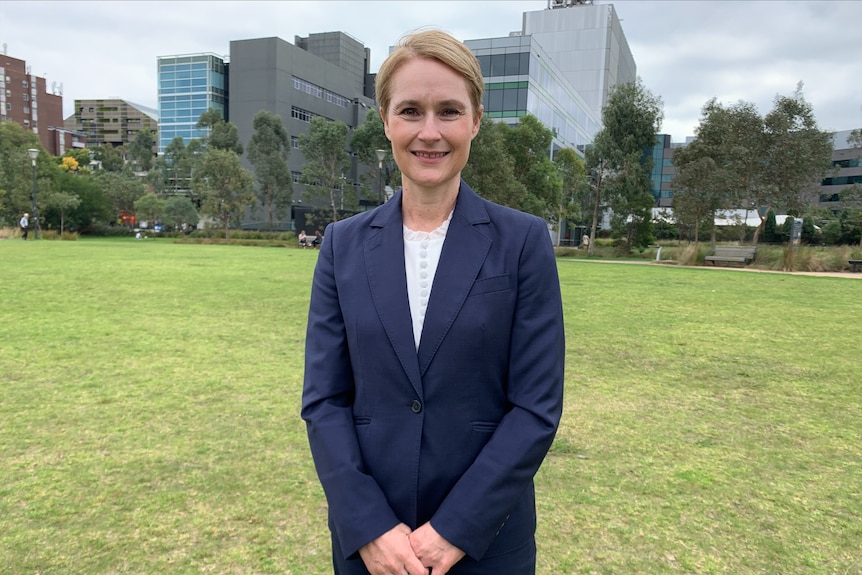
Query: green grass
(149, 417)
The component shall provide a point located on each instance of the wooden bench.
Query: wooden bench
(854, 264)
(742, 255)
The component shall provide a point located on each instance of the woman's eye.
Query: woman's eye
(409, 112)
(451, 112)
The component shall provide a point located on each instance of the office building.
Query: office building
(663, 170)
(587, 43)
(321, 75)
(846, 173)
(189, 85)
(520, 78)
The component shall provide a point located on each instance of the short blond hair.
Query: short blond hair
(434, 45)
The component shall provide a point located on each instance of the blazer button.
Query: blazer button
(415, 407)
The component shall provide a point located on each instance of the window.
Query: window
(294, 142)
(26, 97)
(26, 109)
(8, 105)
(25, 84)
(300, 114)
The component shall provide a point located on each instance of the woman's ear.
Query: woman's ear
(385, 123)
(477, 121)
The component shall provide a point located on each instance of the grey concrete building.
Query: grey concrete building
(322, 75)
(846, 172)
(587, 43)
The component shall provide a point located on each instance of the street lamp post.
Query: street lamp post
(380, 155)
(34, 153)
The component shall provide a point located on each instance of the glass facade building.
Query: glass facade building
(188, 86)
(663, 170)
(520, 78)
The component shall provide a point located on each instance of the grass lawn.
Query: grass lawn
(149, 417)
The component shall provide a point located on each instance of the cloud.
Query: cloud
(687, 52)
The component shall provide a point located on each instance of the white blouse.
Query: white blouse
(421, 256)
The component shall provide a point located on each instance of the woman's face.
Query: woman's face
(430, 122)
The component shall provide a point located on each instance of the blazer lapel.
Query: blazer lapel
(387, 281)
(464, 252)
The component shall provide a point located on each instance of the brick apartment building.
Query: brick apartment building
(25, 99)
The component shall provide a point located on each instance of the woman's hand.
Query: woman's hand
(435, 552)
(392, 554)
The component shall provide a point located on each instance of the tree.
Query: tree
(69, 164)
(529, 146)
(110, 158)
(179, 210)
(797, 153)
(172, 172)
(62, 202)
(16, 177)
(366, 140)
(222, 135)
(226, 188)
(490, 169)
(268, 152)
(720, 166)
(141, 150)
(325, 161)
(94, 207)
(82, 156)
(574, 192)
(696, 193)
(121, 190)
(621, 163)
(148, 208)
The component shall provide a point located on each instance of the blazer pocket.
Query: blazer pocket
(484, 426)
(491, 284)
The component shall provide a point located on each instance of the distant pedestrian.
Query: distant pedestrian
(25, 225)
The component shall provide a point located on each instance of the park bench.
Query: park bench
(854, 264)
(743, 255)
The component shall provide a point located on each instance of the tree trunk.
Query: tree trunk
(596, 210)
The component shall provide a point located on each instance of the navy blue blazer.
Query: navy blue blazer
(454, 433)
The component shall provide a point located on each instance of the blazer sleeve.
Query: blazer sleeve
(358, 510)
(479, 504)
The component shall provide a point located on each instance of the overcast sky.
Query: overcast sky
(686, 51)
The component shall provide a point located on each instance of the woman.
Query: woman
(435, 347)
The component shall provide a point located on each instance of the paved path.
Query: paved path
(848, 275)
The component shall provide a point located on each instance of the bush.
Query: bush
(104, 230)
(9, 233)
